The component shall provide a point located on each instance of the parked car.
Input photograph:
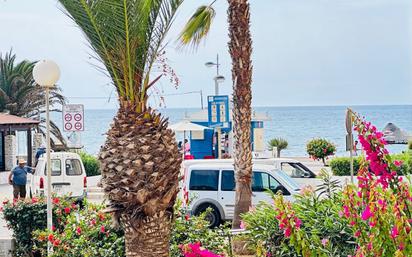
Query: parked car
(211, 184)
(68, 176)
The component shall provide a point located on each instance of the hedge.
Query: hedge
(91, 164)
(341, 165)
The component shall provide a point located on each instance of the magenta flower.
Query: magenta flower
(394, 232)
(366, 214)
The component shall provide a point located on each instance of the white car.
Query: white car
(211, 184)
(68, 176)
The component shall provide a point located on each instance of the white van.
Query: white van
(211, 184)
(68, 176)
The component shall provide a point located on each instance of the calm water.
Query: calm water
(296, 124)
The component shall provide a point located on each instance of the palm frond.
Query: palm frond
(126, 36)
(198, 26)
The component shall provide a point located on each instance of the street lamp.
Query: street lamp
(46, 73)
(219, 78)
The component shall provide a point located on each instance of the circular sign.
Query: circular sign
(68, 126)
(77, 117)
(67, 117)
(78, 126)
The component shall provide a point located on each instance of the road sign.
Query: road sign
(73, 117)
(218, 111)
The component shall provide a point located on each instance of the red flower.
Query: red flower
(34, 200)
(78, 230)
(102, 229)
(5, 202)
(56, 242)
(67, 210)
(50, 237)
(53, 228)
(187, 217)
(93, 222)
(101, 216)
(56, 200)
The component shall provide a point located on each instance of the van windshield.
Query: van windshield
(287, 179)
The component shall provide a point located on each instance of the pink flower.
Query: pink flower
(34, 200)
(78, 230)
(242, 225)
(394, 232)
(287, 232)
(366, 214)
(298, 222)
(357, 233)
(102, 229)
(398, 163)
(325, 241)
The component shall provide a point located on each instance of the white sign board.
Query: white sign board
(73, 117)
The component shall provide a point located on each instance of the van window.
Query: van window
(56, 167)
(260, 181)
(204, 180)
(294, 170)
(228, 180)
(73, 167)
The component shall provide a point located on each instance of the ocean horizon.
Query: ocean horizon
(297, 124)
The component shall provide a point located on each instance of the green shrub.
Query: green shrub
(24, 217)
(319, 211)
(91, 164)
(87, 232)
(341, 166)
(320, 148)
(193, 229)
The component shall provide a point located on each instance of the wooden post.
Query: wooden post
(29, 148)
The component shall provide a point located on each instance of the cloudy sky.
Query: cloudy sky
(306, 52)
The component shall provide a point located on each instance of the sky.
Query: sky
(305, 52)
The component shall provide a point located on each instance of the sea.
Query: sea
(297, 125)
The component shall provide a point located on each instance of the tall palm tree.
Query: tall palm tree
(240, 49)
(21, 96)
(140, 160)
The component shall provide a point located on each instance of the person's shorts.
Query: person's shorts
(19, 191)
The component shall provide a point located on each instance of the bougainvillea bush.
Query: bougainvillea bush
(320, 149)
(376, 211)
(379, 208)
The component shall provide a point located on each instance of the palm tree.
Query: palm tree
(240, 49)
(140, 161)
(279, 143)
(21, 96)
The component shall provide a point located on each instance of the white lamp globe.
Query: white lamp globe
(46, 73)
(220, 79)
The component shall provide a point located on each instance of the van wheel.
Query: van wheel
(213, 217)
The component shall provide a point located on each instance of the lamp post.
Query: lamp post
(46, 73)
(218, 79)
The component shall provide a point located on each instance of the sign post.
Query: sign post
(218, 116)
(349, 139)
(73, 121)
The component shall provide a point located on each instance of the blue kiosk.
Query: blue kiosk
(203, 144)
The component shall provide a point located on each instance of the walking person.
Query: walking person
(186, 147)
(18, 178)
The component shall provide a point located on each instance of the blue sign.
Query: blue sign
(218, 111)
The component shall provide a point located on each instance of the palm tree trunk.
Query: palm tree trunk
(140, 165)
(240, 48)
